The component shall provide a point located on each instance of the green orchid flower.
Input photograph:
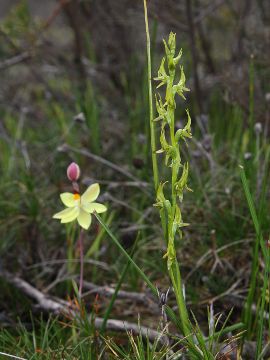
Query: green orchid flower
(80, 207)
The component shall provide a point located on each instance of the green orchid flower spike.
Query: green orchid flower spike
(169, 197)
(80, 207)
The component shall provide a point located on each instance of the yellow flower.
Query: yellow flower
(80, 207)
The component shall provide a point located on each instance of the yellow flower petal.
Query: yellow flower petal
(64, 213)
(67, 199)
(71, 216)
(84, 219)
(91, 193)
(91, 207)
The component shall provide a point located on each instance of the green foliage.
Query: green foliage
(142, 349)
(48, 340)
(18, 22)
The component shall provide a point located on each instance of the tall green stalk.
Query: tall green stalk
(170, 140)
(150, 96)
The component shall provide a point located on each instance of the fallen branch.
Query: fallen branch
(59, 306)
(45, 302)
(15, 60)
(109, 291)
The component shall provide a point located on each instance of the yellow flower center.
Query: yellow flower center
(76, 196)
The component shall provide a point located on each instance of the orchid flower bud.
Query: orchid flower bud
(73, 172)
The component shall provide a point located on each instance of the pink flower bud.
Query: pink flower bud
(73, 172)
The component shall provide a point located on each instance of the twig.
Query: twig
(124, 326)
(109, 291)
(209, 253)
(116, 184)
(207, 154)
(122, 203)
(12, 356)
(219, 296)
(26, 55)
(15, 60)
(100, 264)
(45, 302)
(57, 10)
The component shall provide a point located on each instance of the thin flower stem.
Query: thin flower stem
(150, 96)
(81, 262)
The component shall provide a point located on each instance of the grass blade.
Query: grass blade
(123, 251)
(247, 317)
(118, 286)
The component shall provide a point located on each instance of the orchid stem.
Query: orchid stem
(81, 262)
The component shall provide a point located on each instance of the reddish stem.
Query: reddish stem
(81, 262)
(76, 187)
